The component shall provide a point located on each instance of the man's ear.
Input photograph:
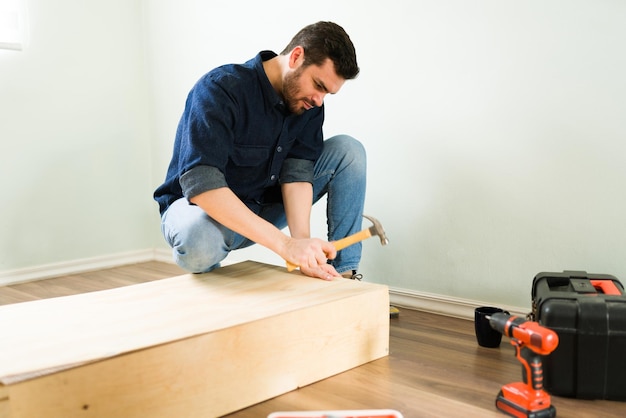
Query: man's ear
(296, 57)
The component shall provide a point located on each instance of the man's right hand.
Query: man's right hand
(311, 255)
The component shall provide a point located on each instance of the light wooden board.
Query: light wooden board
(192, 345)
(4, 402)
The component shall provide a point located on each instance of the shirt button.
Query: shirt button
(279, 148)
(273, 177)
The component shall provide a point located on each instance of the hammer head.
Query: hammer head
(377, 229)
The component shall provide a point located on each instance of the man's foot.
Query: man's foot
(353, 275)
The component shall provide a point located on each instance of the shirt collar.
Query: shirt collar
(274, 98)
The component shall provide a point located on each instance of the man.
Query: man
(249, 160)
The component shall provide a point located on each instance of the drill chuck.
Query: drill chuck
(500, 321)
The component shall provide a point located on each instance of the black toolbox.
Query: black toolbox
(588, 313)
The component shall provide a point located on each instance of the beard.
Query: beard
(291, 91)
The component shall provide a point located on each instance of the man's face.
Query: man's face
(305, 87)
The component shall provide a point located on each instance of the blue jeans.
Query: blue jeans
(199, 243)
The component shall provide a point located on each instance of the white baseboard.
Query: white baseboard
(402, 298)
(163, 255)
(47, 271)
(444, 305)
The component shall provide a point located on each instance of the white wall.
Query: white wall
(75, 159)
(495, 130)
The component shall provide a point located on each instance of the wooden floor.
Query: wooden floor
(435, 368)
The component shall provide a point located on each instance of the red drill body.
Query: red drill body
(531, 341)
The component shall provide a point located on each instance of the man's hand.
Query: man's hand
(311, 255)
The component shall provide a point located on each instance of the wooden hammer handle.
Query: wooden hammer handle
(342, 243)
(352, 239)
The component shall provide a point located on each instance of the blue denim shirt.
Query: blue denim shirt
(236, 132)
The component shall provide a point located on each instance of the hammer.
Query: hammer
(375, 229)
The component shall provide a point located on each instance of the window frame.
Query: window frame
(12, 24)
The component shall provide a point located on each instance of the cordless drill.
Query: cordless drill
(526, 399)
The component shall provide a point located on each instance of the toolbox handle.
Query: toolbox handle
(605, 286)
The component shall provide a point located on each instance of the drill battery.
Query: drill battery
(588, 313)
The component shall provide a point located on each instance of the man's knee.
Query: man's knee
(348, 144)
(195, 259)
(353, 153)
(197, 244)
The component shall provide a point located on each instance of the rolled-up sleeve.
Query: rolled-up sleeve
(200, 179)
(297, 170)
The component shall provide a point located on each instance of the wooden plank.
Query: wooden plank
(62, 332)
(194, 345)
(4, 402)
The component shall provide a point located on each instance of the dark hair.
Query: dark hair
(324, 40)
